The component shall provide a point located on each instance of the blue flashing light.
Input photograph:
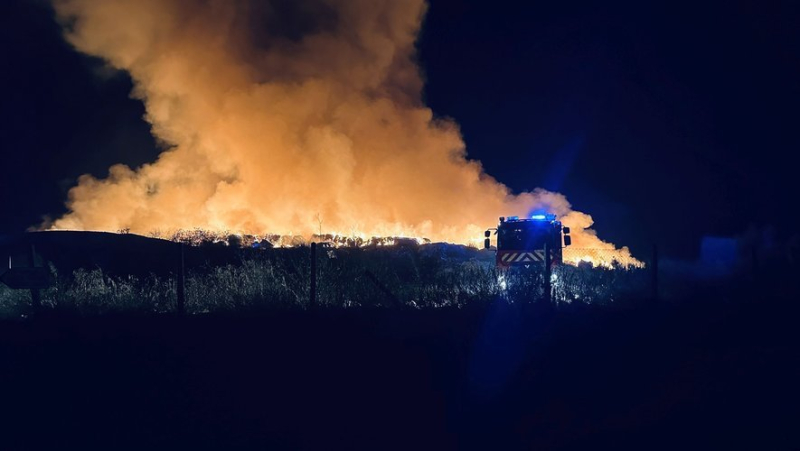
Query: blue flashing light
(513, 218)
(539, 217)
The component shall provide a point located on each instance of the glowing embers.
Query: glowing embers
(199, 237)
(602, 258)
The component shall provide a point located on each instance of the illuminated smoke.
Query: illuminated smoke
(286, 117)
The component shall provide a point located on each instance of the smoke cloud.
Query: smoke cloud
(276, 115)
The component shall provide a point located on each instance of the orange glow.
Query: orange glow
(325, 134)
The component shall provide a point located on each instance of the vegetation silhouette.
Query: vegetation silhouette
(714, 368)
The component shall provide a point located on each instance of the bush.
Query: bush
(409, 275)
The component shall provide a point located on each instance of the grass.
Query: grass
(431, 276)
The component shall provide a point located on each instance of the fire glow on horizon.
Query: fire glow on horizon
(319, 129)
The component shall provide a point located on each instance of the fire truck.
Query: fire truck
(522, 241)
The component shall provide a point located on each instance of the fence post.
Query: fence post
(313, 296)
(36, 299)
(654, 271)
(547, 269)
(182, 283)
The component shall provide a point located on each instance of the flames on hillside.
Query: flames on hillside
(318, 127)
(601, 258)
(199, 237)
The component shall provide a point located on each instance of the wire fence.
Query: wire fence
(94, 277)
(316, 276)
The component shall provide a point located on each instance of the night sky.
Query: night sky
(665, 122)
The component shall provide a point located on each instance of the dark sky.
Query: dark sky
(666, 122)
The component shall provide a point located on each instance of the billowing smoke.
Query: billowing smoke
(286, 117)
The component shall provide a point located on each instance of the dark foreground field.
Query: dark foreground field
(697, 376)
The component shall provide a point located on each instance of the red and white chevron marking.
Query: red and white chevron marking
(509, 257)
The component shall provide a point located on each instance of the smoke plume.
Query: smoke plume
(286, 117)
